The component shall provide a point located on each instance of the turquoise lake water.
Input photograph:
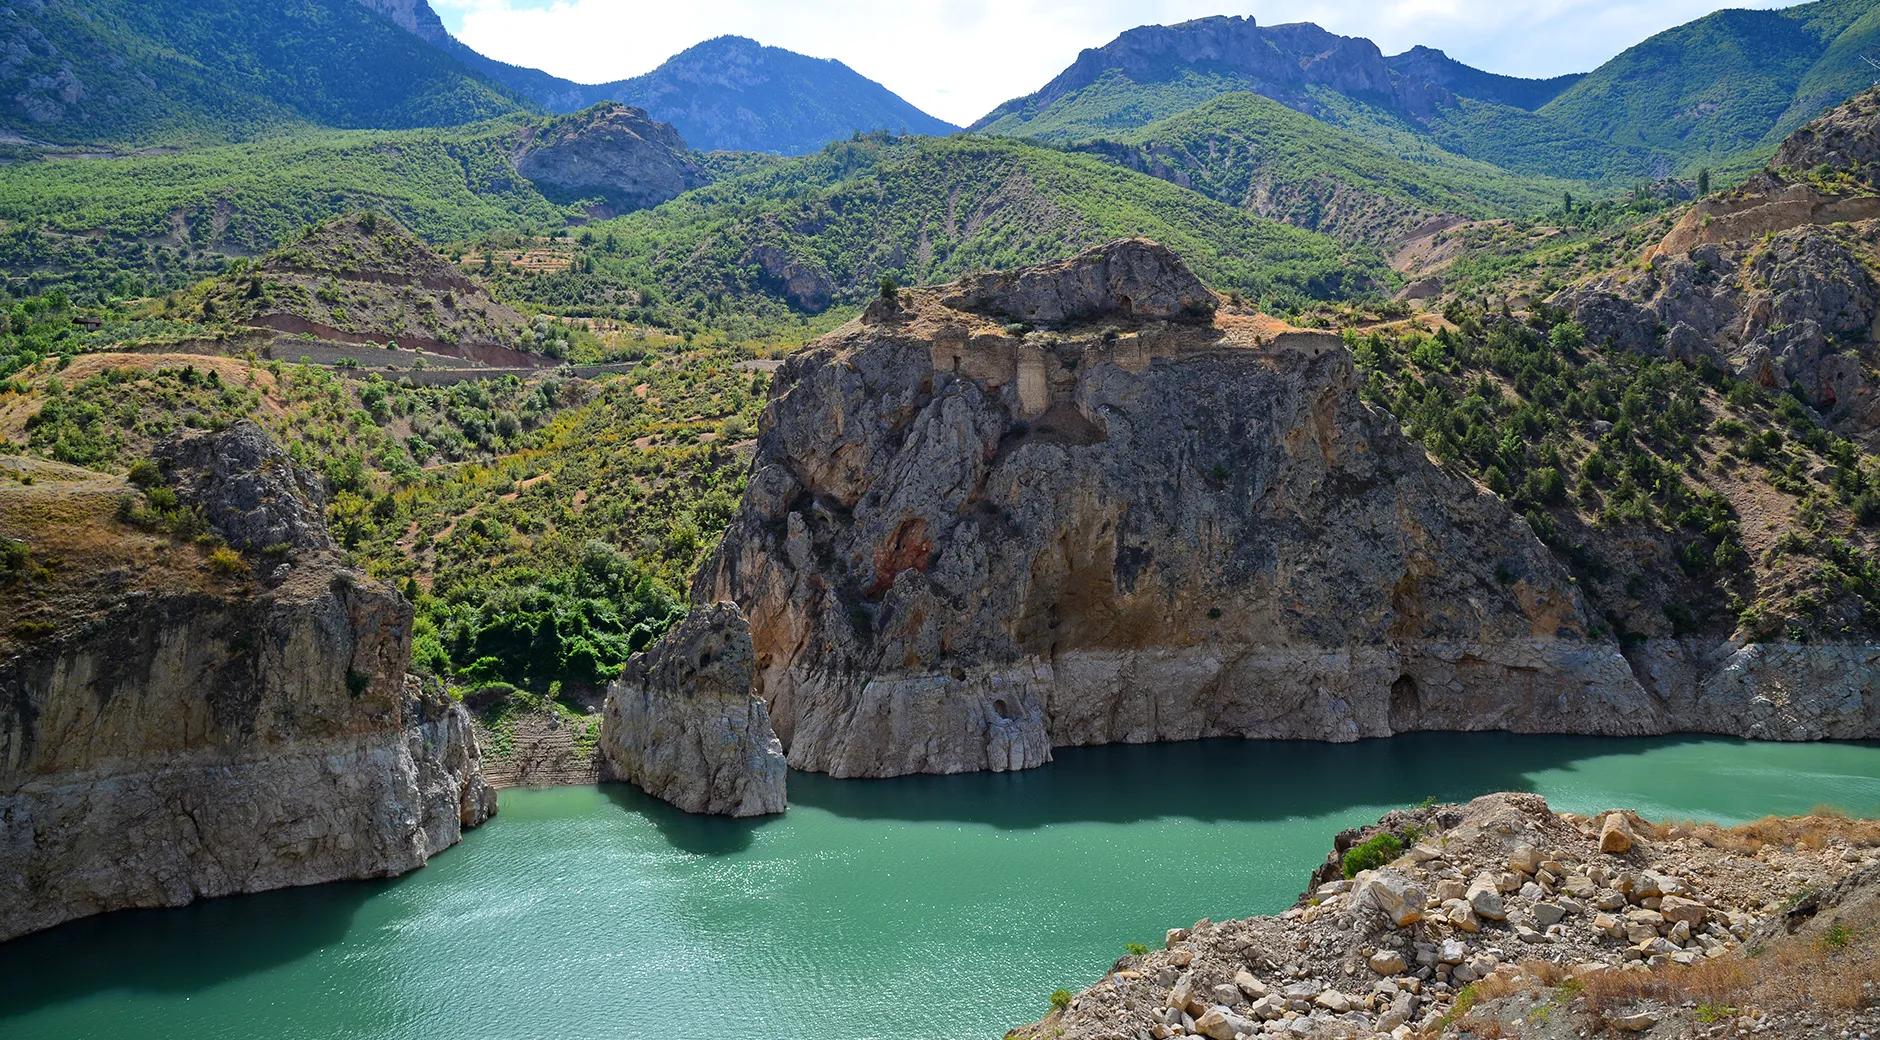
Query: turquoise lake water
(923, 908)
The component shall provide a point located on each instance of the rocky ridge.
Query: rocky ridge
(1464, 920)
(1773, 281)
(200, 724)
(682, 725)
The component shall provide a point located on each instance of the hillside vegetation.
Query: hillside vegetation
(137, 224)
(799, 238)
(1727, 83)
(142, 72)
(1247, 150)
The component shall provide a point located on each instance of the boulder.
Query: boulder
(681, 722)
(1391, 893)
(1615, 835)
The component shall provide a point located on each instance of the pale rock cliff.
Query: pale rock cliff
(682, 724)
(966, 542)
(185, 733)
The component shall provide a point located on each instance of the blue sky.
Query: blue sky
(960, 58)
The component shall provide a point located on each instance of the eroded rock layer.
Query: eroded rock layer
(966, 542)
(207, 735)
(682, 723)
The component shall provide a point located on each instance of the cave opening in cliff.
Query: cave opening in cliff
(1406, 703)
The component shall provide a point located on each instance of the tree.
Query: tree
(1566, 201)
(1703, 182)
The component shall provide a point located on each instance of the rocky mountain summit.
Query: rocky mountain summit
(612, 152)
(1504, 918)
(682, 725)
(177, 723)
(967, 540)
(1774, 280)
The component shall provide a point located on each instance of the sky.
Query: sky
(959, 59)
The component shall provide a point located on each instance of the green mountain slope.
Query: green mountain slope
(179, 71)
(1247, 150)
(801, 237)
(1705, 93)
(1728, 82)
(144, 222)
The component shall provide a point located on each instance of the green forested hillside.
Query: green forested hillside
(1247, 150)
(141, 72)
(1727, 83)
(801, 237)
(1709, 93)
(138, 223)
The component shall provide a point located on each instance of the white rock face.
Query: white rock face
(683, 725)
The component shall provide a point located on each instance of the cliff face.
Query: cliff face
(965, 543)
(682, 724)
(200, 732)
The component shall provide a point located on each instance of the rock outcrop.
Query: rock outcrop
(613, 152)
(682, 723)
(1508, 897)
(187, 731)
(964, 543)
(1773, 281)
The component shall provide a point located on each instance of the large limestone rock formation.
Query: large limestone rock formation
(181, 732)
(682, 724)
(965, 543)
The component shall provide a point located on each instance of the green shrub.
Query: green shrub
(1372, 853)
(1060, 1000)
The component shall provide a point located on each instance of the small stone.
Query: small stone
(1486, 901)
(1387, 962)
(1547, 914)
(1680, 909)
(1636, 1022)
(1334, 1001)
(1252, 987)
(1525, 859)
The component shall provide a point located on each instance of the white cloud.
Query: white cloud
(960, 58)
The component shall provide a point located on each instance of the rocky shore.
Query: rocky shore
(1502, 918)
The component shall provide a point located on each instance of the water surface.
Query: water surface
(923, 908)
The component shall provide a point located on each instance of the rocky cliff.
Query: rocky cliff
(1773, 281)
(178, 723)
(683, 725)
(612, 152)
(967, 540)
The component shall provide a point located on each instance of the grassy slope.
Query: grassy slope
(137, 223)
(1225, 147)
(923, 211)
(180, 71)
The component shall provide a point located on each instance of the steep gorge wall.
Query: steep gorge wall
(964, 544)
(187, 743)
(967, 541)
